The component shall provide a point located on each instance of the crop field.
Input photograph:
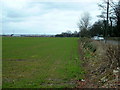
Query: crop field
(40, 62)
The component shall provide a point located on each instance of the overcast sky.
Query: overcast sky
(43, 17)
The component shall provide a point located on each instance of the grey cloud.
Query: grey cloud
(15, 14)
(43, 17)
(27, 11)
(7, 20)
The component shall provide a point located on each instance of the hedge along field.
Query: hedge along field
(40, 62)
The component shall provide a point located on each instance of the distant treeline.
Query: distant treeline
(68, 34)
(18, 35)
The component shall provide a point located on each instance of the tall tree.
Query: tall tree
(117, 12)
(113, 12)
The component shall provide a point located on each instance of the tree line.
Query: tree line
(68, 34)
(107, 26)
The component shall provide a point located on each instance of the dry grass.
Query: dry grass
(101, 66)
(113, 55)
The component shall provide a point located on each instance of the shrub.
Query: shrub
(87, 44)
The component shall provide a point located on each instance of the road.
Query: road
(112, 42)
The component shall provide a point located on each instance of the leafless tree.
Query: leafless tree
(84, 21)
(113, 13)
(84, 24)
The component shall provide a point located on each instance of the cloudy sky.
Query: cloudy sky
(44, 16)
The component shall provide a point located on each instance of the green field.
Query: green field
(40, 62)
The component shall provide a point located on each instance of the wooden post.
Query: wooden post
(111, 25)
(107, 22)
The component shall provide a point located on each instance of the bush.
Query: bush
(87, 44)
(113, 55)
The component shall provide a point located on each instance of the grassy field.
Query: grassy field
(40, 62)
(0, 62)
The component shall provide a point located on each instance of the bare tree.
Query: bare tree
(117, 12)
(84, 24)
(84, 21)
(108, 4)
(113, 14)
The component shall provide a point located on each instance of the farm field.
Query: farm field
(40, 62)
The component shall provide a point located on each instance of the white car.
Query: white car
(98, 38)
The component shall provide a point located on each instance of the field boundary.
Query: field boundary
(101, 66)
